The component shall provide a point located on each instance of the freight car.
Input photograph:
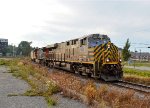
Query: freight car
(93, 55)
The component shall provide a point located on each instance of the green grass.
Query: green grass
(4, 62)
(142, 73)
(50, 101)
(136, 76)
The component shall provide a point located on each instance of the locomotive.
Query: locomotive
(93, 55)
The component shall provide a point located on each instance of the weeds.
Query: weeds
(4, 62)
(102, 94)
(102, 91)
(50, 101)
(40, 85)
(10, 95)
(90, 92)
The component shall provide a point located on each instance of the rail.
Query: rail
(134, 86)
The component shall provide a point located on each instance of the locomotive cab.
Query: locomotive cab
(97, 39)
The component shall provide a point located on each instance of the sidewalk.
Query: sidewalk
(11, 85)
(139, 68)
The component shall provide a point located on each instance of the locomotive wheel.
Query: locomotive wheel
(51, 65)
(79, 72)
(88, 75)
(73, 69)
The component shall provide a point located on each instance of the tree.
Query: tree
(126, 52)
(24, 48)
(8, 50)
(4, 51)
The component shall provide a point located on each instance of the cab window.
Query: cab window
(83, 41)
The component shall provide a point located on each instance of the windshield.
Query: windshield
(97, 39)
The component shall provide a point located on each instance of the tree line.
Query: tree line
(23, 49)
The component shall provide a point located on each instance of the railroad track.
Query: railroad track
(134, 86)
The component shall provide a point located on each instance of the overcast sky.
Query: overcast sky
(49, 21)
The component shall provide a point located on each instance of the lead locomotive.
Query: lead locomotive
(93, 55)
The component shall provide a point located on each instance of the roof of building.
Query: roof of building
(3, 39)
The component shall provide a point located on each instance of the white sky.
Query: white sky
(48, 21)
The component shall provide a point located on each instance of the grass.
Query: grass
(4, 62)
(137, 79)
(137, 76)
(40, 85)
(140, 73)
(50, 101)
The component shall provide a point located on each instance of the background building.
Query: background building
(140, 56)
(3, 44)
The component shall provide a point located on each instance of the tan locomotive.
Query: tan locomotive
(93, 55)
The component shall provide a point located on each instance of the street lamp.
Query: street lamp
(135, 58)
(13, 49)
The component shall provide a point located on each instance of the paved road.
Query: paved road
(139, 68)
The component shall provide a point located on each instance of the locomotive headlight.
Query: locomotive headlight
(108, 46)
(107, 60)
(120, 60)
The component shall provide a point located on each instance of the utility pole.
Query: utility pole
(140, 55)
(13, 50)
(148, 56)
(135, 57)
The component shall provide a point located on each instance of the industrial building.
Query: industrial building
(3, 44)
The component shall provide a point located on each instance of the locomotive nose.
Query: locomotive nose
(110, 55)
